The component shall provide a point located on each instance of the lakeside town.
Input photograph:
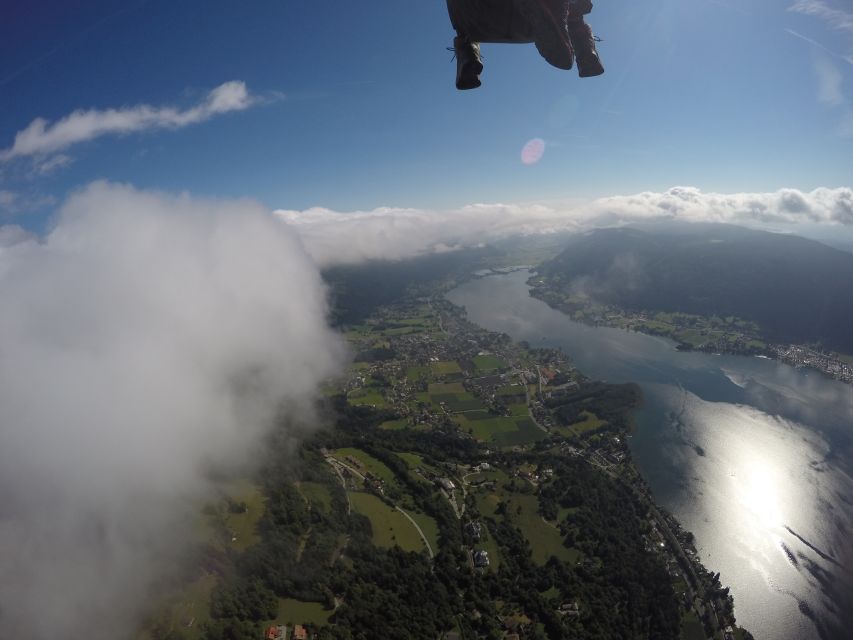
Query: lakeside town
(730, 335)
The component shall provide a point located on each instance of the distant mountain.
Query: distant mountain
(798, 290)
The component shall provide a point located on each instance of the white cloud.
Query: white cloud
(42, 137)
(13, 203)
(12, 234)
(386, 233)
(838, 19)
(49, 165)
(145, 338)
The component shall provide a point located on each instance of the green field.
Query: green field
(413, 461)
(519, 410)
(368, 463)
(292, 611)
(428, 525)
(522, 511)
(691, 627)
(390, 527)
(445, 368)
(189, 606)
(243, 526)
(394, 425)
(417, 372)
(317, 495)
(487, 363)
(490, 546)
(366, 397)
(545, 539)
(444, 388)
(590, 422)
(504, 431)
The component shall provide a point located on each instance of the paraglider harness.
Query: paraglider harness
(556, 27)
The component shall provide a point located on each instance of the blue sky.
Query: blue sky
(352, 104)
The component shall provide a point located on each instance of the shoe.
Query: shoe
(469, 63)
(548, 19)
(583, 42)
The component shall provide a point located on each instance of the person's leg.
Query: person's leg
(583, 41)
(469, 63)
(548, 19)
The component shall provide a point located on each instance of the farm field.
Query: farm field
(445, 368)
(503, 431)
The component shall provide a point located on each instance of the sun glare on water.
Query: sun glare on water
(758, 495)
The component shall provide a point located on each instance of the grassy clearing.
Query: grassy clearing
(511, 390)
(291, 611)
(414, 461)
(366, 397)
(416, 373)
(367, 463)
(519, 410)
(444, 368)
(504, 431)
(545, 539)
(394, 425)
(428, 525)
(590, 423)
(446, 388)
(243, 525)
(551, 594)
(490, 546)
(317, 495)
(486, 363)
(691, 627)
(185, 611)
(390, 527)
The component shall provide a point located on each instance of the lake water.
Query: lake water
(753, 456)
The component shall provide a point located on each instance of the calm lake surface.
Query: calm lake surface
(754, 457)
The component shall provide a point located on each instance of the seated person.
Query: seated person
(556, 27)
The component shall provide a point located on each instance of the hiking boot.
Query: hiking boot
(583, 42)
(469, 63)
(548, 19)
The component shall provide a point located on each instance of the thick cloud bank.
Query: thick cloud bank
(344, 238)
(146, 338)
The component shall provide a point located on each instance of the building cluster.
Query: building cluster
(283, 632)
(800, 356)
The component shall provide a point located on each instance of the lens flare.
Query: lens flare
(532, 151)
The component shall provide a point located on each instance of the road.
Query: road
(420, 531)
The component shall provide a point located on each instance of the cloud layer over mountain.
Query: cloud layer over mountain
(344, 238)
